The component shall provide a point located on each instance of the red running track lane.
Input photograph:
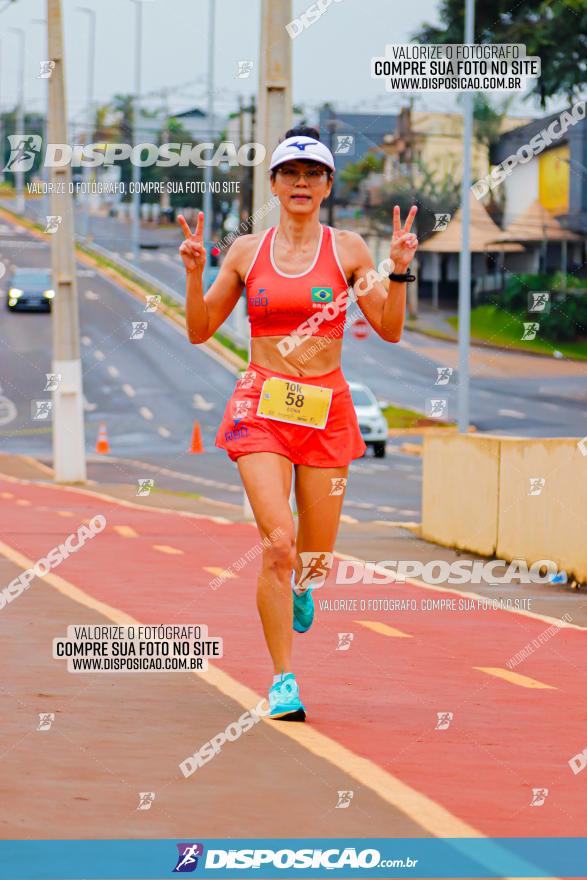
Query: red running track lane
(380, 698)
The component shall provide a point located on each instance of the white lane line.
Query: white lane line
(164, 432)
(113, 371)
(146, 413)
(85, 340)
(90, 294)
(99, 355)
(511, 413)
(128, 390)
(200, 402)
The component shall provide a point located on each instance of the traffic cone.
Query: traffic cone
(197, 445)
(102, 444)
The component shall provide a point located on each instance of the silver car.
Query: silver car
(372, 422)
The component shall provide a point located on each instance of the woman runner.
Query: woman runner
(292, 410)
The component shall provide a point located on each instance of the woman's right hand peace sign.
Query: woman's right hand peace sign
(192, 249)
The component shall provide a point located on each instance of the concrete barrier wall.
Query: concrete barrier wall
(459, 491)
(476, 497)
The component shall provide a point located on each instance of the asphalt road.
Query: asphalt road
(540, 400)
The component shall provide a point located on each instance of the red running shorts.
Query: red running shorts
(242, 431)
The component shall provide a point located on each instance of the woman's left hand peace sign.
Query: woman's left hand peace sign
(403, 242)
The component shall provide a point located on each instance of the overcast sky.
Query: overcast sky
(331, 59)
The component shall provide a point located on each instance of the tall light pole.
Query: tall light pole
(69, 459)
(1, 123)
(19, 125)
(90, 110)
(136, 169)
(208, 201)
(465, 256)
(44, 170)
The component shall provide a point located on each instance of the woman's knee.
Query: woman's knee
(280, 554)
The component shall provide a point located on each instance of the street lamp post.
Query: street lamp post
(208, 201)
(44, 169)
(90, 110)
(19, 175)
(465, 256)
(136, 169)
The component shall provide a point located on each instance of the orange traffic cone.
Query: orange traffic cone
(102, 444)
(197, 445)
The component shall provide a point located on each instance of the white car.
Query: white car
(372, 422)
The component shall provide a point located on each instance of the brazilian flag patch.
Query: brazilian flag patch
(321, 294)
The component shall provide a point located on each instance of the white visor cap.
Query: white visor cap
(301, 148)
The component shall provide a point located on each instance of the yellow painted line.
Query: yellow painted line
(126, 531)
(220, 572)
(165, 548)
(64, 513)
(384, 629)
(23, 502)
(6, 495)
(515, 678)
(422, 810)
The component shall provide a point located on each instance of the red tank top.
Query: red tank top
(312, 303)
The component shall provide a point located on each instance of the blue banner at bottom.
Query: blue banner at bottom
(290, 857)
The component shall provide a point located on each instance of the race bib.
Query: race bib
(287, 401)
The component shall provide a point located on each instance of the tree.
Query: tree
(554, 31)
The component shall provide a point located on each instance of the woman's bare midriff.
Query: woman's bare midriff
(315, 356)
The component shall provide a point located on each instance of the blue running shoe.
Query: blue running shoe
(303, 611)
(284, 700)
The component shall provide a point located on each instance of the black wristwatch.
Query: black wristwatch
(402, 276)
